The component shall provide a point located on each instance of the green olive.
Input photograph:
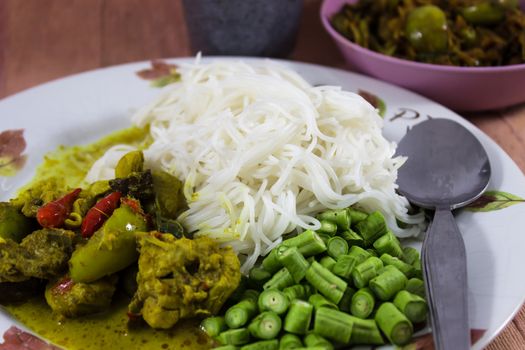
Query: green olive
(485, 13)
(427, 30)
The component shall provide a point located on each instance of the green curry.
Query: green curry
(118, 272)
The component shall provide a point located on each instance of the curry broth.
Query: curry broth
(108, 330)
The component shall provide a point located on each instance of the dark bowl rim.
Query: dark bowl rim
(408, 63)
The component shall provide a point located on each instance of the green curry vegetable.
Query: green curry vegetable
(455, 32)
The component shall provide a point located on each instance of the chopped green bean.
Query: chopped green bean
(388, 283)
(213, 326)
(266, 325)
(352, 238)
(297, 291)
(363, 303)
(366, 332)
(226, 347)
(328, 228)
(328, 262)
(410, 255)
(388, 244)
(258, 277)
(365, 271)
(413, 306)
(282, 279)
(337, 246)
(346, 302)
(416, 286)
(239, 291)
(408, 270)
(338, 216)
(394, 324)
(373, 227)
(263, 345)
(317, 300)
(344, 266)
(372, 252)
(270, 262)
(298, 318)
(237, 336)
(241, 313)
(359, 254)
(356, 215)
(309, 243)
(328, 284)
(315, 340)
(325, 237)
(290, 341)
(250, 294)
(333, 324)
(273, 300)
(293, 261)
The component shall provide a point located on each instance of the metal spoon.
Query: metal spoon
(446, 168)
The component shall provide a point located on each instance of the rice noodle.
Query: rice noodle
(262, 151)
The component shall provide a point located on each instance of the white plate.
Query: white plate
(84, 107)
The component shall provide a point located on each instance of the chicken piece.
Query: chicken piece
(71, 299)
(43, 254)
(182, 278)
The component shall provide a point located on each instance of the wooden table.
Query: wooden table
(45, 39)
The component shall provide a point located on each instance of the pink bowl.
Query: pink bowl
(459, 88)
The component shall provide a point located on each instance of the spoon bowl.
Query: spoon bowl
(446, 168)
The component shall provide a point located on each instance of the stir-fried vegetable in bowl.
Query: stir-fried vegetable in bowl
(467, 55)
(256, 226)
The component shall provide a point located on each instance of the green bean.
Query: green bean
(325, 237)
(270, 262)
(333, 324)
(366, 332)
(388, 244)
(251, 294)
(328, 262)
(394, 324)
(290, 341)
(298, 318)
(241, 313)
(237, 336)
(293, 261)
(372, 252)
(408, 270)
(356, 215)
(266, 325)
(239, 291)
(336, 247)
(273, 300)
(263, 345)
(416, 286)
(297, 291)
(388, 283)
(410, 255)
(315, 340)
(344, 266)
(226, 347)
(359, 254)
(282, 279)
(213, 326)
(308, 243)
(111, 249)
(365, 271)
(418, 272)
(363, 303)
(328, 284)
(352, 238)
(373, 227)
(328, 228)
(413, 306)
(258, 277)
(318, 301)
(346, 302)
(339, 217)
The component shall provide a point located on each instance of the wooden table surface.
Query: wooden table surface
(42, 40)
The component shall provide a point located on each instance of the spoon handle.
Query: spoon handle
(445, 267)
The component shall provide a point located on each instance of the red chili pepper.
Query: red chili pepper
(99, 213)
(53, 214)
(63, 286)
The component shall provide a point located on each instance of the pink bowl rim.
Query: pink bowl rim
(324, 14)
